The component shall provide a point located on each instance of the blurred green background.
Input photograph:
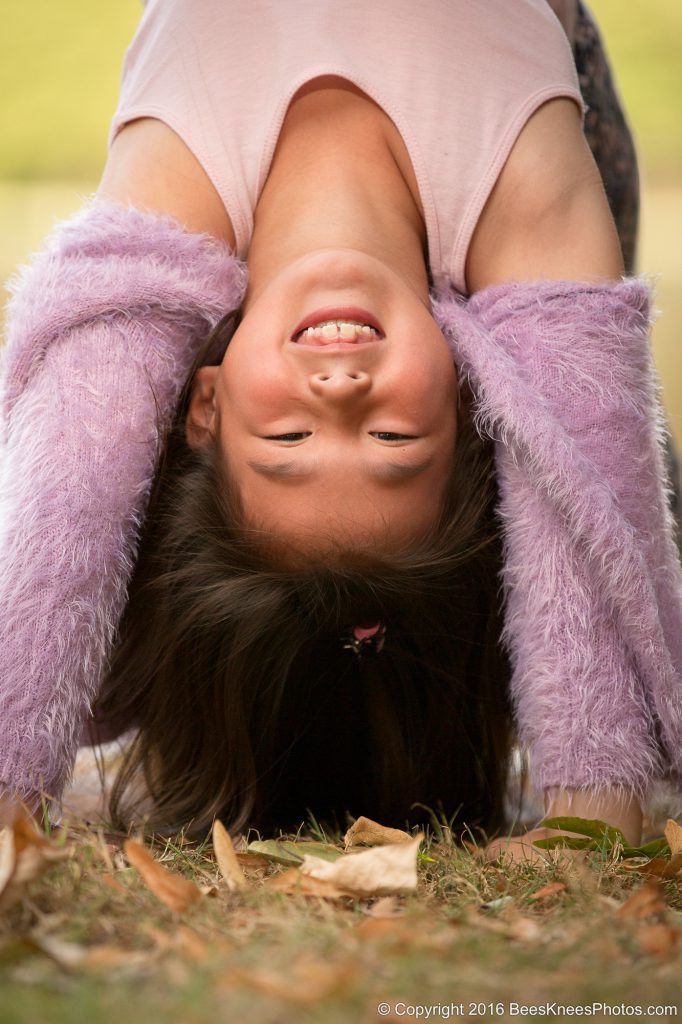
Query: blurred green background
(60, 62)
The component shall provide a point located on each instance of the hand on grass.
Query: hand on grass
(520, 849)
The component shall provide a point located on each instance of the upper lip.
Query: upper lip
(337, 313)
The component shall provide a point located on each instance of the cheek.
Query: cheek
(252, 384)
(427, 382)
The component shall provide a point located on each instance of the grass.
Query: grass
(471, 932)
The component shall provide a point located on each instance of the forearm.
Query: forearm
(593, 613)
(103, 330)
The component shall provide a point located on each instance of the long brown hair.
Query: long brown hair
(229, 664)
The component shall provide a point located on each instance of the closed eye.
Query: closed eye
(382, 435)
(288, 437)
(386, 435)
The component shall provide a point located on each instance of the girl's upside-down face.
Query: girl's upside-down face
(344, 437)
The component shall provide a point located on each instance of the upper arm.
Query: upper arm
(547, 215)
(150, 166)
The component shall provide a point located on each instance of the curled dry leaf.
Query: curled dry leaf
(381, 871)
(176, 892)
(659, 867)
(365, 832)
(658, 939)
(673, 834)
(645, 902)
(226, 856)
(25, 853)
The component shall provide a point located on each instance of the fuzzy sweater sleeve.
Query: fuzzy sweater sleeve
(566, 385)
(102, 329)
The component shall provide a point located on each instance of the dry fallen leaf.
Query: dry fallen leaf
(172, 889)
(646, 901)
(113, 883)
(659, 939)
(187, 942)
(386, 929)
(365, 832)
(308, 980)
(25, 853)
(226, 856)
(658, 867)
(548, 890)
(294, 883)
(673, 834)
(381, 871)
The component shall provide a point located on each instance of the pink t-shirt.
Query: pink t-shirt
(458, 78)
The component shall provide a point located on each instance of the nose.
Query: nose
(340, 385)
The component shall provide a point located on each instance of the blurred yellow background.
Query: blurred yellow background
(60, 62)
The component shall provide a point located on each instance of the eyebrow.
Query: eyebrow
(384, 471)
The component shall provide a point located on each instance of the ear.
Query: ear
(201, 421)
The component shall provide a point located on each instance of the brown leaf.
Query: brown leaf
(293, 883)
(673, 833)
(307, 982)
(658, 939)
(191, 943)
(25, 853)
(547, 890)
(646, 901)
(186, 941)
(253, 864)
(113, 883)
(365, 832)
(173, 889)
(226, 856)
(659, 867)
(386, 929)
(381, 871)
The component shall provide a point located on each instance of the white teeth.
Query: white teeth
(344, 329)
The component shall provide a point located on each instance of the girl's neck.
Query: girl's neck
(334, 182)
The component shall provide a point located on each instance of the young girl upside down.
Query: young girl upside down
(333, 442)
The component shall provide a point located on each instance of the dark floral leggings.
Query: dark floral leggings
(609, 138)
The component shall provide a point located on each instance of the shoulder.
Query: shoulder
(150, 166)
(547, 215)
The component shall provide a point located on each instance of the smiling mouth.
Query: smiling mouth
(336, 345)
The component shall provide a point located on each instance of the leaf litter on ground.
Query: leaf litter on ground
(347, 886)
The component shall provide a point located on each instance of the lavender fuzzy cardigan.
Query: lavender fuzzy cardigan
(103, 328)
